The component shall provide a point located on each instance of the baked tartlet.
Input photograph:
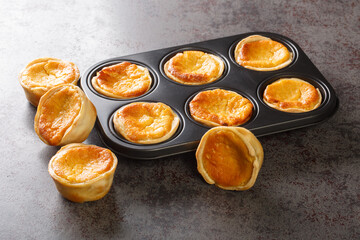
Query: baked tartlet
(64, 115)
(83, 172)
(194, 67)
(262, 54)
(219, 107)
(123, 80)
(292, 95)
(229, 157)
(146, 122)
(44, 73)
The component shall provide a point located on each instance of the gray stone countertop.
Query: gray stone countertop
(308, 187)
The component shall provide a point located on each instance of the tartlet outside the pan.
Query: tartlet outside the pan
(194, 67)
(44, 73)
(64, 115)
(229, 157)
(146, 122)
(292, 95)
(123, 80)
(262, 54)
(219, 107)
(83, 172)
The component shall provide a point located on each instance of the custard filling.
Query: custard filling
(82, 164)
(49, 73)
(292, 93)
(263, 54)
(58, 113)
(146, 121)
(227, 160)
(195, 67)
(124, 79)
(223, 107)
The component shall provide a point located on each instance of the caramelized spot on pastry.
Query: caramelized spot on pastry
(220, 107)
(146, 123)
(292, 95)
(82, 164)
(123, 80)
(262, 54)
(194, 68)
(229, 157)
(58, 114)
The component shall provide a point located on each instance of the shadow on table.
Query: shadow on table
(101, 219)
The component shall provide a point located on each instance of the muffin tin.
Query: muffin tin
(249, 83)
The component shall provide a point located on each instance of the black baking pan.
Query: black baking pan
(249, 83)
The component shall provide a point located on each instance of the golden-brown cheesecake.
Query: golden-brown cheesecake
(194, 68)
(262, 54)
(229, 157)
(123, 80)
(83, 172)
(219, 107)
(64, 115)
(292, 95)
(44, 73)
(146, 122)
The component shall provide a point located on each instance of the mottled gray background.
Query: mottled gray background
(308, 187)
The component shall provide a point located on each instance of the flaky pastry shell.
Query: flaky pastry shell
(194, 67)
(44, 73)
(292, 95)
(64, 115)
(262, 54)
(146, 122)
(219, 107)
(229, 157)
(123, 80)
(83, 172)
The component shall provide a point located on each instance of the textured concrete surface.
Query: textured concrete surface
(308, 187)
